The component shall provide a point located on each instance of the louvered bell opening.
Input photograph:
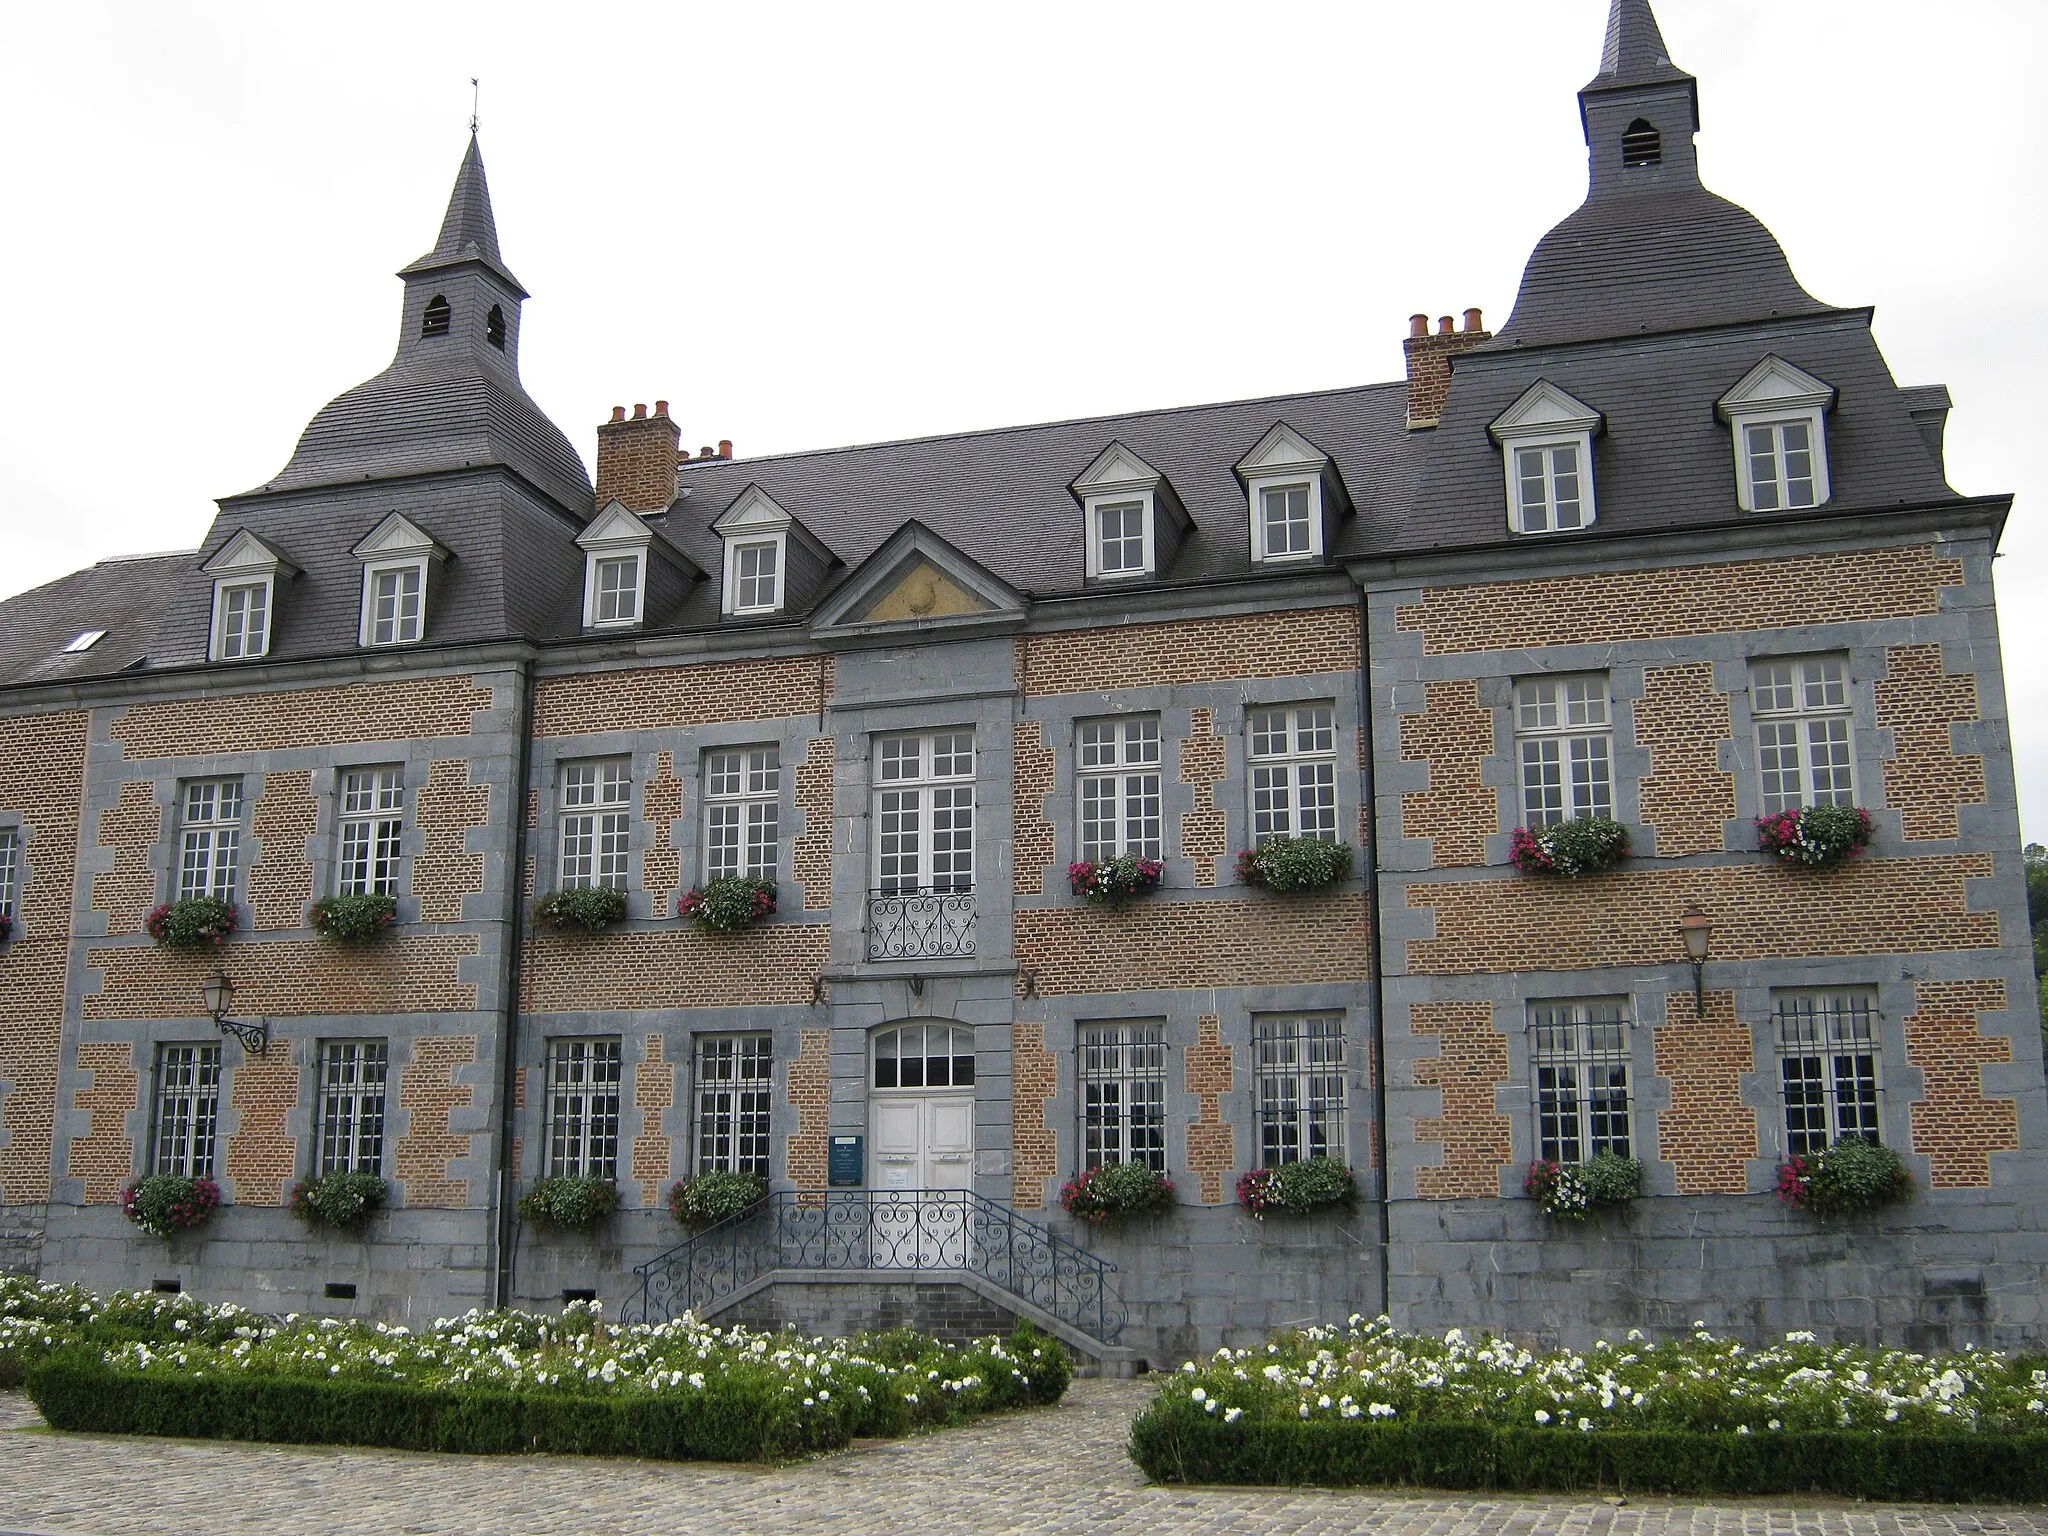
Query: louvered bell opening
(494, 327)
(1641, 144)
(436, 320)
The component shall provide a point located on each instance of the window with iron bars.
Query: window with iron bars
(583, 1108)
(1293, 772)
(1300, 1059)
(352, 1076)
(1118, 787)
(209, 838)
(187, 1109)
(1579, 1057)
(1828, 1065)
(372, 831)
(734, 1081)
(1123, 1094)
(597, 822)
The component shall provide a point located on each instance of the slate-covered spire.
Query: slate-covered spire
(469, 232)
(1634, 53)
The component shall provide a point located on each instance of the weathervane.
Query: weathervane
(476, 93)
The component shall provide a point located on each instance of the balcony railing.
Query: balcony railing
(920, 925)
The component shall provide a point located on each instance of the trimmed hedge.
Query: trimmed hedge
(1175, 1441)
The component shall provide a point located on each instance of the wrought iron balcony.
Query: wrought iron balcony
(922, 924)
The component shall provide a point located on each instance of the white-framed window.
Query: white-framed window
(1777, 416)
(924, 812)
(1781, 464)
(1292, 771)
(241, 619)
(209, 838)
(1287, 521)
(1564, 743)
(924, 1056)
(742, 812)
(597, 823)
(10, 872)
(1578, 1053)
(371, 831)
(1827, 1064)
(1300, 1086)
(1123, 538)
(1117, 787)
(1552, 492)
(1123, 1094)
(394, 602)
(757, 576)
(735, 1076)
(1805, 736)
(1122, 500)
(187, 1109)
(352, 1074)
(616, 595)
(583, 1108)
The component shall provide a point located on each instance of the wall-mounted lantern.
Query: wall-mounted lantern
(1696, 933)
(220, 996)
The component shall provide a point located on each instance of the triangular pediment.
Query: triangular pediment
(752, 511)
(1281, 449)
(1543, 407)
(1775, 383)
(615, 527)
(247, 555)
(1116, 466)
(918, 579)
(399, 535)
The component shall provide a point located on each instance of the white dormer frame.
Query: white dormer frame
(1281, 461)
(396, 545)
(615, 534)
(1775, 393)
(1558, 430)
(754, 521)
(1118, 479)
(248, 566)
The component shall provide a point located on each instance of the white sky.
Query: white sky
(815, 224)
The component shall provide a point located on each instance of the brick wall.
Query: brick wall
(1630, 917)
(427, 1090)
(1606, 606)
(1203, 763)
(415, 973)
(390, 709)
(654, 1091)
(262, 1158)
(1707, 1133)
(636, 459)
(661, 866)
(1680, 721)
(450, 803)
(1471, 1059)
(1032, 778)
(1157, 943)
(1925, 779)
(281, 880)
(131, 826)
(1206, 1073)
(1452, 735)
(810, 1093)
(674, 967)
(1034, 1082)
(664, 698)
(1295, 643)
(1954, 1125)
(1429, 356)
(812, 856)
(104, 1157)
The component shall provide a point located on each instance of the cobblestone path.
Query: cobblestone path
(1060, 1469)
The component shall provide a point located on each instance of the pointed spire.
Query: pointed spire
(1634, 53)
(468, 230)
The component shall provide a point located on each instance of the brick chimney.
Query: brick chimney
(636, 458)
(1429, 363)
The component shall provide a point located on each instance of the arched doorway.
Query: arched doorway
(921, 1106)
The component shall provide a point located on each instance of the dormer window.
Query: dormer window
(1123, 538)
(615, 550)
(1777, 414)
(617, 580)
(494, 327)
(397, 556)
(1287, 527)
(1131, 519)
(1641, 144)
(756, 576)
(244, 572)
(438, 317)
(1294, 496)
(1546, 441)
(771, 560)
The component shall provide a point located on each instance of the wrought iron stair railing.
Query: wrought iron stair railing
(886, 1233)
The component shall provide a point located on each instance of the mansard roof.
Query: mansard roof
(125, 598)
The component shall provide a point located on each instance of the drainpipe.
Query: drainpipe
(1377, 946)
(505, 1228)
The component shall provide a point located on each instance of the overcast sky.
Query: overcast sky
(810, 225)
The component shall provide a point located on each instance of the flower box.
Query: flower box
(354, 919)
(1294, 864)
(338, 1200)
(589, 907)
(1574, 1191)
(1295, 1189)
(6, 927)
(1816, 836)
(1852, 1175)
(734, 902)
(1585, 845)
(164, 1204)
(570, 1202)
(1114, 1191)
(1112, 882)
(709, 1198)
(191, 922)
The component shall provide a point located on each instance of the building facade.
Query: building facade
(1671, 548)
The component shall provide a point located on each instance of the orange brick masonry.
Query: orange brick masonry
(1680, 721)
(1924, 780)
(1032, 778)
(1034, 1081)
(105, 1155)
(1293, 643)
(1954, 1125)
(1471, 1058)
(810, 1092)
(390, 709)
(1203, 763)
(674, 967)
(1456, 811)
(281, 880)
(661, 866)
(1212, 1141)
(812, 857)
(428, 1091)
(1707, 1133)
(450, 804)
(413, 973)
(131, 826)
(262, 1158)
(664, 698)
(1156, 943)
(654, 1090)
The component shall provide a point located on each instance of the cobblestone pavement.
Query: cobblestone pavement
(1059, 1469)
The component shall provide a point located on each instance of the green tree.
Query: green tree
(2036, 858)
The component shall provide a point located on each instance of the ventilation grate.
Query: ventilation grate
(341, 1290)
(578, 1293)
(169, 1287)
(1641, 144)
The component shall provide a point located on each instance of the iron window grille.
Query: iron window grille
(244, 620)
(1579, 1055)
(1293, 772)
(742, 812)
(1123, 1095)
(597, 822)
(10, 871)
(924, 812)
(1300, 1060)
(210, 838)
(924, 1056)
(1118, 787)
(352, 1075)
(1804, 735)
(1780, 464)
(372, 829)
(1120, 526)
(734, 1082)
(583, 1108)
(1563, 742)
(1828, 1066)
(1548, 485)
(187, 1109)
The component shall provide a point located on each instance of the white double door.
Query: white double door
(921, 1141)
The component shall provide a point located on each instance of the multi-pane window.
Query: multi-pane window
(394, 604)
(1547, 486)
(244, 620)
(1562, 738)
(924, 812)
(372, 829)
(1284, 521)
(616, 590)
(1579, 1058)
(1827, 1062)
(734, 1076)
(352, 1106)
(1120, 527)
(10, 871)
(209, 838)
(1780, 464)
(1123, 1095)
(742, 812)
(597, 822)
(583, 1108)
(1300, 1059)
(187, 1109)
(924, 1056)
(755, 568)
(1117, 786)
(1293, 772)
(1803, 733)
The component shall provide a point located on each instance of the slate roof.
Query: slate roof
(1633, 52)
(469, 230)
(126, 598)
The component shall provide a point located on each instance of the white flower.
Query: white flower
(1189, 1368)
(1209, 1406)
(1232, 1415)
(1198, 1394)
(1381, 1410)
(1323, 1401)
(1542, 1416)
(1586, 1424)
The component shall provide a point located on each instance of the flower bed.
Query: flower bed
(1294, 1189)
(1112, 882)
(1816, 837)
(36, 1319)
(722, 906)
(589, 907)
(1367, 1404)
(1574, 1191)
(712, 1197)
(164, 1204)
(1294, 864)
(1115, 1191)
(337, 1200)
(354, 919)
(1852, 1175)
(192, 922)
(1585, 845)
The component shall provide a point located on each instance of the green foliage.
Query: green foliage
(337, 1200)
(1313, 1182)
(1116, 1190)
(712, 1197)
(191, 922)
(163, 1204)
(730, 903)
(1852, 1175)
(36, 1318)
(569, 1202)
(1294, 864)
(589, 907)
(1046, 1362)
(2035, 857)
(354, 919)
(1584, 845)
(1573, 1191)
(1612, 1179)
